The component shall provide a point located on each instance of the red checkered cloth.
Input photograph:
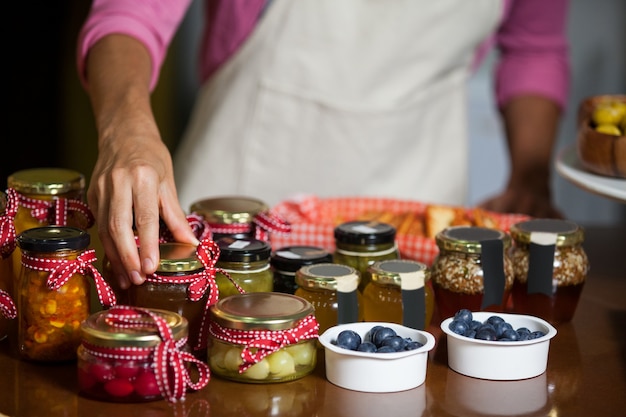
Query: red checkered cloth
(313, 221)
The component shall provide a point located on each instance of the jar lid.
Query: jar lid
(46, 181)
(178, 257)
(96, 329)
(53, 238)
(260, 310)
(325, 276)
(229, 209)
(568, 233)
(292, 258)
(243, 250)
(467, 238)
(390, 272)
(364, 232)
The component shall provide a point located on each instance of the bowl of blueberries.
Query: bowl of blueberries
(376, 356)
(497, 346)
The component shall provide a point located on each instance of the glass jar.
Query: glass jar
(550, 267)
(125, 350)
(472, 270)
(246, 262)
(361, 243)
(399, 292)
(287, 260)
(262, 337)
(7, 245)
(230, 216)
(53, 297)
(332, 289)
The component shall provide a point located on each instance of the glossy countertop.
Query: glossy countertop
(586, 373)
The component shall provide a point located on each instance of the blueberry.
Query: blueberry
(381, 334)
(458, 326)
(366, 347)
(370, 334)
(509, 334)
(385, 349)
(395, 342)
(495, 320)
(475, 324)
(412, 345)
(501, 327)
(348, 339)
(537, 334)
(486, 333)
(465, 315)
(471, 333)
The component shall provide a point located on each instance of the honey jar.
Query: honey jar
(243, 266)
(361, 243)
(131, 354)
(262, 338)
(332, 289)
(287, 260)
(550, 266)
(472, 270)
(399, 292)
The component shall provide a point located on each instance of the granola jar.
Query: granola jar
(550, 267)
(472, 270)
(243, 266)
(332, 289)
(399, 292)
(131, 354)
(361, 243)
(231, 216)
(262, 338)
(287, 260)
(54, 293)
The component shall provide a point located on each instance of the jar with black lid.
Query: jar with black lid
(361, 243)
(246, 262)
(472, 270)
(287, 260)
(550, 267)
(230, 216)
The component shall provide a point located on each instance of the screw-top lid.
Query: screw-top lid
(243, 250)
(178, 257)
(46, 181)
(325, 276)
(365, 233)
(292, 258)
(568, 233)
(53, 238)
(229, 209)
(390, 272)
(468, 238)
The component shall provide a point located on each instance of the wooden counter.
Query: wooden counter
(586, 374)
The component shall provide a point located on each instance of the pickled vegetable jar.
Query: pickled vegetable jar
(472, 270)
(550, 266)
(243, 264)
(361, 243)
(399, 292)
(230, 216)
(287, 260)
(54, 293)
(131, 354)
(332, 289)
(262, 337)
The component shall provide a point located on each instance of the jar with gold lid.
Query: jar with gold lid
(360, 243)
(285, 261)
(243, 264)
(230, 216)
(332, 289)
(472, 270)
(7, 245)
(550, 267)
(262, 338)
(399, 292)
(132, 354)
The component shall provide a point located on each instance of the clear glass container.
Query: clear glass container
(49, 319)
(550, 267)
(7, 245)
(472, 270)
(247, 263)
(229, 216)
(361, 243)
(241, 323)
(332, 289)
(287, 260)
(399, 292)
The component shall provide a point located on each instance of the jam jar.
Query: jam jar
(125, 350)
(230, 215)
(332, 289)
(361, 243)
(472, 270)
(550, 267)
(245, 262)
(287, 260)
(262, 337)
(7, 245)
(399, 292)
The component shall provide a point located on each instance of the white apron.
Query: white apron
(340, 98)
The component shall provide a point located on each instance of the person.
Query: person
(332, 98)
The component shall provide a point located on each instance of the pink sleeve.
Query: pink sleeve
(534, 51)
(153, 22)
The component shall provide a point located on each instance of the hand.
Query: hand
(533, 201)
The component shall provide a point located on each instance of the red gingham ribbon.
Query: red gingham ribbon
(199, 282)
(7, 307)
(170, 361)
(55, 211)
(260, 343)
(7, 224)
(61, 270)
(201, 229)
(263, 224)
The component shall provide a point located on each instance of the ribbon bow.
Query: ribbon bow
(200, 228)
(7, 307)
(55, 211)
(7, 224)
(61, 270)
